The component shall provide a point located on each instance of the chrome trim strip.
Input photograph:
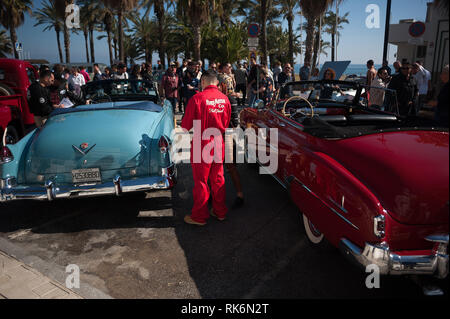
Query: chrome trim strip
(337, 205)
(443, 239)
(52, 191)
(300, 127)
(325, 203)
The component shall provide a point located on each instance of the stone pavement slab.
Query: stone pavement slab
(19, 281)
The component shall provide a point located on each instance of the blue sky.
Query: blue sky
(357, 42)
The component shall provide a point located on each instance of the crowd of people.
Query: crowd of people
(413, 87)
(244, 84)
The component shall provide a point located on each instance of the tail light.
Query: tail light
(163, 144)
(379, 226)
(5, 155)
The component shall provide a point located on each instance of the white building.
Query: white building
(432, 47)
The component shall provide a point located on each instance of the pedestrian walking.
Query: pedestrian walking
(252, 81)
(423, 79)
(97, 73)
(377, 91)
(284, 77)
(169, 86)
(190, 82)
(406, 88)
(276, 72)
(386, 66)
(371, 73)
(213, 109)
(76, 81)
(121, 73)
(230, 91)
(86, 76)
(305, 72)
(240, 74)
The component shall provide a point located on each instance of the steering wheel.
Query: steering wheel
(100, 98)
(292, 98)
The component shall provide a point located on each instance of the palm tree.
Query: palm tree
(160, 12)
(90, 12)
(121, 7)
(312, 10)
(132, 49)
(49, 16)
(143, 30)
(60, 6)
(287, 8)
(106, 16)
(198, 12)
(84, 26)
(265, 9)
(5, 44)
(332, 27)
(12, 15)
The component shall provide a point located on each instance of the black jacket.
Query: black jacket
(39, 100)
(406, 91)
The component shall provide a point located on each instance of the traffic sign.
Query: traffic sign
(253, 30)
(417, 29)
(253, 42)
(18, 46)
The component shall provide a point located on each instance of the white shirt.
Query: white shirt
(422, 77)
(122, 76)
(77, 79)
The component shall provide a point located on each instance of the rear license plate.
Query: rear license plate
(87, 175)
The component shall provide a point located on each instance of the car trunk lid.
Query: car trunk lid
(408, 172)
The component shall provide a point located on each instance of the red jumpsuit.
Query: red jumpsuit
(213, 109)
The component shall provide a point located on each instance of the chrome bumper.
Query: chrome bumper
(116, 187)
(435, 264)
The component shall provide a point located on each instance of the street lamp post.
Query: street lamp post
(386, 30)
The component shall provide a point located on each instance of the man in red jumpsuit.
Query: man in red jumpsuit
(211, 111)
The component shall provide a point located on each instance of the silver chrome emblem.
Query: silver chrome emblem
(83, 149)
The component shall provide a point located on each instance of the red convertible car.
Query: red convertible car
(373, 183)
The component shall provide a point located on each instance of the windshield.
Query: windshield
(121, 90)
(337, 94)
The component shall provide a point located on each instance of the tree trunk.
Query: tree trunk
(13, 36)
(85, 33)
(66, 43)
(265, 5)
(91, 38)
(110, 47)
(309, 43)
(291, 40)
(121, 50)
(316, 48)
(160, 17)
(59, 46)
(197, 41)
(115, 46)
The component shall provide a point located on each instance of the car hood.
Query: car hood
(114, 139)
(408, 172)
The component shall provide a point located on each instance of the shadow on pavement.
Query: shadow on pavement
(135, 247)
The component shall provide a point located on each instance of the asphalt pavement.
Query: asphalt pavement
(138, 246)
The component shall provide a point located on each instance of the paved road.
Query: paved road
(136, 247)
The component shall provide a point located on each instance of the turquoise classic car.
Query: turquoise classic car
(118, 144)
